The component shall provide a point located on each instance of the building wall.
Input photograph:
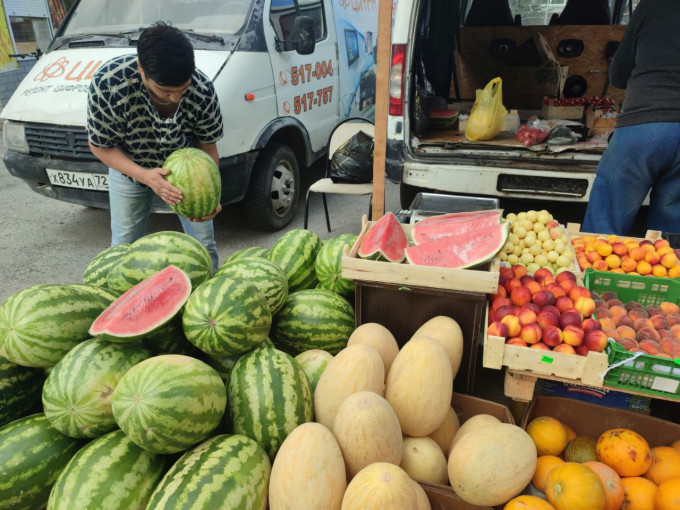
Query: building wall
(9, 80)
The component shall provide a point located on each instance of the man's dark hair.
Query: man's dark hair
(166, 55)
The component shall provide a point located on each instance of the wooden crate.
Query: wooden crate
(574, 231)
(550, 111)
(482, 279)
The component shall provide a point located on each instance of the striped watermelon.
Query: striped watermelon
(168, 403)
(266, 275)
(102, 292)
(97, 271)
(222, 473)
(153, 252)
(328, 265)
(226, 316)
(295, 252)
(110, 473)
(20, 389)
(251, 251)
(32, 454)
(169, 339)
(313, 319)
(40, 324)
(77, 394)
(269, 395)
(313, 362)
(196, 175)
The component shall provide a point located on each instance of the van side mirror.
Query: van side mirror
(302, 36)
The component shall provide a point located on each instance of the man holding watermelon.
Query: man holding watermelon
(140, 110)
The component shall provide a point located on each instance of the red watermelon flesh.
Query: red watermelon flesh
(460, 251)
(145, 307)
(386, 237)
(446, 225)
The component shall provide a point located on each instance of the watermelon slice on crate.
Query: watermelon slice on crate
(144, 308)
(385, 237)
(448, 225)
(460, 251)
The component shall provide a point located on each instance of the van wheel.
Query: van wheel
(274, 188)
(407, 193)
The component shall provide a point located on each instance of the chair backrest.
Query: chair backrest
(585, 12)
(346, 130)
(489, 13)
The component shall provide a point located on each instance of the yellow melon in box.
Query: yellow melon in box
(423, 460)
(380, 486)
(446, 431)
(379, 337)
(423, 501)
(473, 423)
(447, 332)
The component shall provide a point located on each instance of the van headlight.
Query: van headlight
(15, 137)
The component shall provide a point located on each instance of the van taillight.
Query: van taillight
(397, 79)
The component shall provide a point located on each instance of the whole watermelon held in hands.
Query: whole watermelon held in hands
(196, 175)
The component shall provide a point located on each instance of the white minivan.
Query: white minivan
(286, 73)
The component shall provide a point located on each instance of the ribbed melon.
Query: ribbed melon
(379, 337)
(380, 486)
(110, 473)
(314, 362)
(423, 460)
(368, 431)
(222, 473)
(308, 471)
(295, 252)
(77, 394)
(355, 368)
(328, 265)
(447, 332)
(196, 175)
(20, 389)
(97, 271)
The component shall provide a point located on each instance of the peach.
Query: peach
(654, 310)
(612, 333)
(533, 287)
(637, 253)
(661, 243)
(516, 341)
(567, 285)
(619, 249)
(585, 305)
(498, 302)
(652, 258)
(637, 313)
(641, 322)
(511, 283)
(632, 304)
(506, 272)
(659, 271)
(659, 322)
(591, 325)
(668, 345)
(602, 311)
(673, 318)
(540, 346)
(618, 310)
(526, 316)
(608, 295)
(570, 319)
(520, 296)
(531, 333)
(582, 350)
(565, 275)
(675, 331)
(542, 273)
(532, 307)
(623, 320)
(648, 334)
(563, 303)
(547, 281)
(500, 292)
(593, 256)
(547, 319)
(525, 279)
(628, 343)
(497, 329)
(607, 322)
(628, 265)
(600, 265)
(663, 333)
(626, 332)
(565, 348)
(669, 260)
(543, 298)
(578, 291)
(647, 245)
(573, 335)
(552, 336)
(551, 309)
(502, 312)
(518, 270)
(615, 302)
(596, 340)
(557, 290)
(513, 324)
(650, 347)
(669, 307)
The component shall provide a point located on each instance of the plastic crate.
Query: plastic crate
(646, 290)
(648, 374)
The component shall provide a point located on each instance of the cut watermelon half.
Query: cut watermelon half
(145, 307)
(447, 225)
(460, 251)
(385, 237)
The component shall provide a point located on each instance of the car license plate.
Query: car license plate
(82, 180)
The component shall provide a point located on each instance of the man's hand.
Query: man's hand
(209, 216)
(155, 179)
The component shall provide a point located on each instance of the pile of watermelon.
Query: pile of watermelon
(158, 384)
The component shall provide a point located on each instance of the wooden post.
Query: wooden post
(381, 104)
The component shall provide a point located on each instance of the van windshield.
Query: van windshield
(225, 17)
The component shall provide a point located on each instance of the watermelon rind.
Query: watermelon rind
(168, 403)
(295, 253)
(385, 237)
(153, 252)
(40, 324)
(32, 455)
(110, 473)
(226, 472)
(269, 395)
(314, 362)
(266, 275)
(102, 292)
(97, 271)
(169, 339)
(145, 307)
(20, 390)
(251, 251)
(196, 175)
(226, 316)
(328, 265)
(452, 224)
(77, 394)
(313, 319)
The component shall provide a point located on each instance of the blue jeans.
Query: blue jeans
(639, 159)
(130, 205)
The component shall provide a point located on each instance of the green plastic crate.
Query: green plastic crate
(646, 290)
(645, 373)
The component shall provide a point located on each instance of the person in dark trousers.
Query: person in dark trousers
(644, 152)
(141, 109)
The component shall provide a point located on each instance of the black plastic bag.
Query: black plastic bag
(423, 95)
(353, 161)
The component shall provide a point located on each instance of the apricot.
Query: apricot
(641, 322)
(669, 260)
(669, 307)
(611, 333)
(600, 265)
(674, 272)
(652, 258)
(619, 248)
(613, 261)
(659, 322)
(644, 267)
(626, 332)
(636, 253)
(628, 343)
(617, 270)
(659, 271)
(636, 313)
(661, 243)
(593, 256)
(650, 347)
(628, 265)
(603, 248)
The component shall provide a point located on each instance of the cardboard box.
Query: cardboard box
(443, 498)
(533, 74)
(600, 396)
(597, 123)
(592, 420)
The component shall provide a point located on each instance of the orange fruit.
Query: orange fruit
(544, 465)
(667, 495)
(665, 464)
(624, 450)
(639, 493)
(549, 435)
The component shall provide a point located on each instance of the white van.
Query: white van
(282, 88)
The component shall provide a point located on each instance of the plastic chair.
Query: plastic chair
(340, 135)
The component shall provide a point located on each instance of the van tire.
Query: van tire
(274, 188)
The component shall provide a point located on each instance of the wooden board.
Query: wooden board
(574, 231)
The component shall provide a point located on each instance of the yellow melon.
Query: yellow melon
(665, 464)
(492, 464)
(355, 368)
(419, 386)
(301, 480)
(423, 460)
(445, 433)
(367, 431)
(380, 486)
(473, 423)
(447, 332)
(379, 337)
(549, 435)
(423, 502)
